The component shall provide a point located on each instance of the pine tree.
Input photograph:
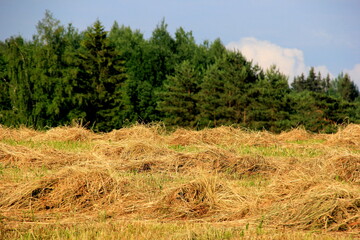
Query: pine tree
(270, 106)
(223, 98)
(178, 98)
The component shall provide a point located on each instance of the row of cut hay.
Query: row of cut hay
(143, 156)
(136, 132)
(313, 205)
(217, 160)
(22, 156)
(225, 136)
(66, 134)
(348, 136)
(70, 189)
(205, 197)
(297, 134)
(345, 168)
(317, 194)
(17, 134)
(303, 193)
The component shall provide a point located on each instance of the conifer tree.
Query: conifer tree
(100, 79)
(178, 98)
(5, 102)
(223, 98)
(19, 65)
(270, 106)
(347, 88)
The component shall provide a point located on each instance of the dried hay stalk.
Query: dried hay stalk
(346, 168)
(22, 156)
(349, 136)
(69, 189)
(295, 135)
(332, 207)
(201, 198)
(184, 137)
(22, 133)
(221, 136)
(214, 159)
(136, 132)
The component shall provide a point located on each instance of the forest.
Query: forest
(110, 79)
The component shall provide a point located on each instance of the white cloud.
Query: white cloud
(290, 61)
(354, 74)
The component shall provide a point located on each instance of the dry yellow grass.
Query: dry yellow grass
(294, 181)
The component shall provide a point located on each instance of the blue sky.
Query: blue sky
(294, 34)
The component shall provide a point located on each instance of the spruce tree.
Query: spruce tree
(347, 88)
(100, 79)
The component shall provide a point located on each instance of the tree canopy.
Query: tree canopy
(110, 79)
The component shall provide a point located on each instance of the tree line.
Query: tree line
(112, 79)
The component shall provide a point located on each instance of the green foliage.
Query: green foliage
(178, 98)
(109, 80)
(101, 76)
(270, 106)
(223, 98)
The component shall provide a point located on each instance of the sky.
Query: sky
(293, 34)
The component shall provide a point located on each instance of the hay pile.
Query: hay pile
(22, 156)
(65, 134)
(349, 136)
(17, 134)
(225, 136)
(346, 168)
(297, 134)
(149, 133)
(331, 207)
(201, 198)
(72, 188)
(141, 173)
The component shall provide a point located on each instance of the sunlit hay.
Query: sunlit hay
(22, 156)
(136, 150)
(286, 187)
(136, 132)
(19, 134)
(201, 198)
(229, 136)
(214, 159)
(19, 155)
(297, 134)
(349, 136)
(106, 150)
(66, 134)
(74, 189)
(221, 135)
(225, 136)
(140, 155)
(184, 137)
(263, 138)
(327, 206)
(346, 168)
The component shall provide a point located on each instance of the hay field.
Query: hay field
(143, 182)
